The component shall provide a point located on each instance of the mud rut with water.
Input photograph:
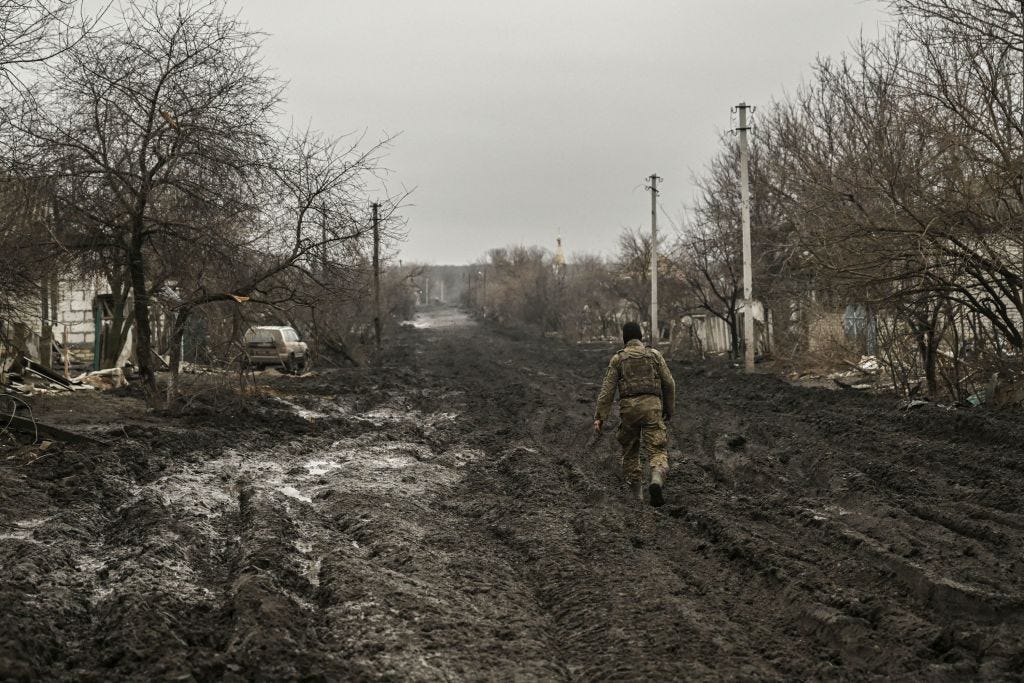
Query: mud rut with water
(441, 517)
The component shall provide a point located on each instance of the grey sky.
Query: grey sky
(522, 120)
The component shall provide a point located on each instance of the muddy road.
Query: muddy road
(440, 517)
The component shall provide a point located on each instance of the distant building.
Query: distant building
(558, 262)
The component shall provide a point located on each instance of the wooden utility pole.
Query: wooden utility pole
(376, 273)
(748, 287)
(653, 187)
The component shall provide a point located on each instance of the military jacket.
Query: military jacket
(636, 370)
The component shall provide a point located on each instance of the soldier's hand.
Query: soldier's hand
(597, 426)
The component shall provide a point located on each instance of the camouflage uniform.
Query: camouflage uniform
(647, 396)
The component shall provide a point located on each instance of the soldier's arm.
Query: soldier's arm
(668, 387)
(607, 395)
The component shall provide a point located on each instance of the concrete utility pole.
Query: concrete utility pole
(748, 286)
(653, 187)
(376, 273)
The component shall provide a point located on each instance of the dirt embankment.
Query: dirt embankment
(441, 517)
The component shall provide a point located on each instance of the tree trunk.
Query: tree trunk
(143, 341)
(46, 327)
(120, 321)
(734, 335)
(929, 357)
(927, 337)
(176, 338)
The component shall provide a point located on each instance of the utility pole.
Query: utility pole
(376, 274)
(653, 187)
(748, 286)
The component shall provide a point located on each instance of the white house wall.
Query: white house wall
(75, 311)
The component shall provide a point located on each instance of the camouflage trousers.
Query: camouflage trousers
(641, 434)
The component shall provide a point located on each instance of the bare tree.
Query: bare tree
(155, 130)
(588, 306)
(295, 245)
(522, 288)
(708, 252)
(631, 275)
(711, 262)
(33, 31)
(27, 257)
(973, 21)
(898, 173)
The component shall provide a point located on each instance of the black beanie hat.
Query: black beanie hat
(631, 331)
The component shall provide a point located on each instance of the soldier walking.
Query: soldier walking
(647, 397)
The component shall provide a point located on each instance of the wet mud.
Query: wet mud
(441, 516)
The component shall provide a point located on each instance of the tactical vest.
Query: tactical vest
(638, 374)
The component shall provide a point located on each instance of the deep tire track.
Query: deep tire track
(439, 517)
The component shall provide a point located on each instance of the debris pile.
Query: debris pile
(24, 376)
(862, 375)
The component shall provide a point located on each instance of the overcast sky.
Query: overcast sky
(520, 121)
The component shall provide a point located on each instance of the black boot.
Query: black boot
(657, 483)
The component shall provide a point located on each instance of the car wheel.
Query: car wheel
(289, 364)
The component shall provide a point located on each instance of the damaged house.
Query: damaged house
(54, 309)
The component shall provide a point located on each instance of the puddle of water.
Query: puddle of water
(463, 457)
(313, 572)
(24, 529)
(383, 415)
(89, 564)
(394, 462)
(318, 467)
(304, 413)
(446, 318)
(31, 523)
(293, 492)
(198, 492)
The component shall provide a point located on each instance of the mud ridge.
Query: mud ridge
(440, 516)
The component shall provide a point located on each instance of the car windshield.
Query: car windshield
(290, 335)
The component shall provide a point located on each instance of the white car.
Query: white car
(275, 345)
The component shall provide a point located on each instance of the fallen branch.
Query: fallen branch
(26, 425)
